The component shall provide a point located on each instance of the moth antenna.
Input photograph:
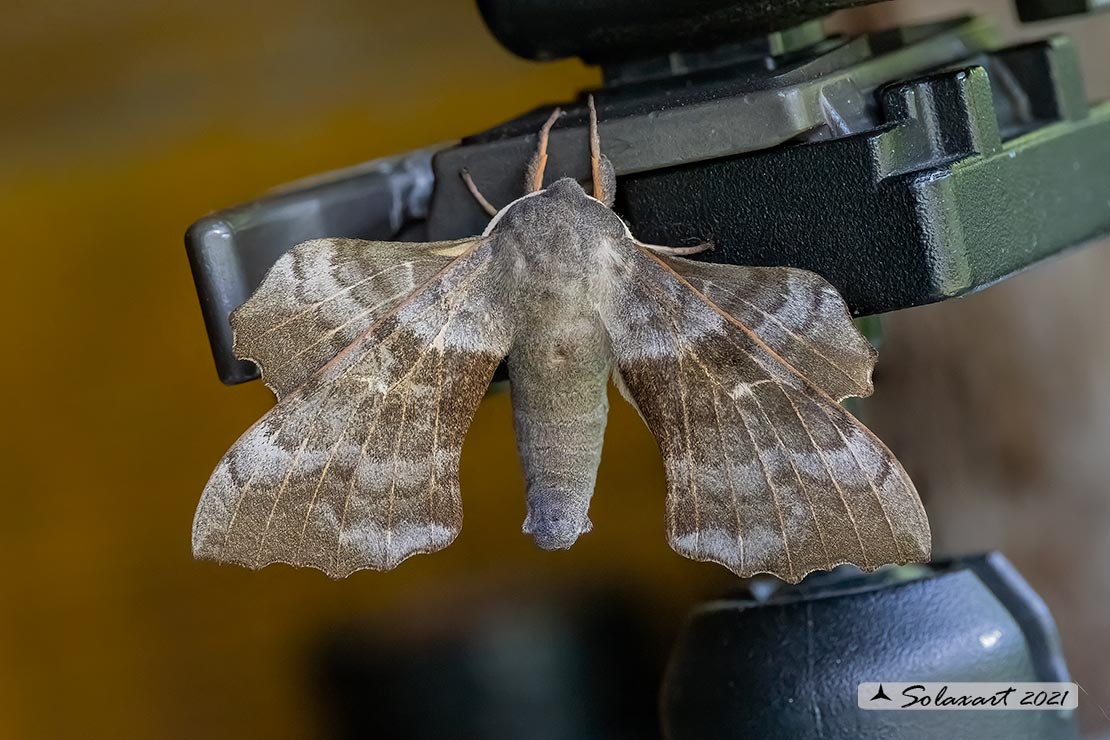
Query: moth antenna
(595, 153)
(601, 169)
(677, 251)
(473, 188)
(539, 159)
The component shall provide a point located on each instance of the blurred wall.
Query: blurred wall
(122, 122)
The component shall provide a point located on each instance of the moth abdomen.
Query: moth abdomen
(559, 378)
(555, 520)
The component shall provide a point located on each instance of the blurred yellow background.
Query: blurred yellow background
(122, 123)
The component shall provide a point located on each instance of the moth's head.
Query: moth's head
(574, 195)
(563, 204)
(565, 186)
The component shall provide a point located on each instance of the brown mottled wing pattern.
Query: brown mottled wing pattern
(321, 295)
(794, 312)
(766, 472)
(358, 467)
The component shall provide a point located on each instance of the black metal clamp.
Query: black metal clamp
(906, 167)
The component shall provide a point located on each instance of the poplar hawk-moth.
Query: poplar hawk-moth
(379, 354)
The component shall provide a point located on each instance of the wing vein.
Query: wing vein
(797, 476)
(729, 318)
(277, 498)
(246, 490)
(327, 464)
(780, 386)
(800, 339)
(350, 488)
(871, 484)
(772, 487)
(335, 329)
(832, 476)
(418, 290)
(433, 479)
(404, 407)
(728, 464)
(358, 405)
(309, 308)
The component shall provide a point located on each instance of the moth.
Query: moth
(379, 354)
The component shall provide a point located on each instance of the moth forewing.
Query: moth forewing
(322, 295)
(766, 472)
(358, 467)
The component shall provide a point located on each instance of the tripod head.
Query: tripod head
(906, 167)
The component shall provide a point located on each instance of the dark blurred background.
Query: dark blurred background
(122, 122)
